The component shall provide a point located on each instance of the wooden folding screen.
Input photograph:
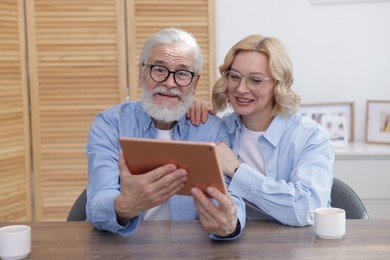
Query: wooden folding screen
(145, 17)
(77, 68)
(15, 155)
(81, 56)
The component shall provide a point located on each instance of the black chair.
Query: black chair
(342, 196)
(77, 212)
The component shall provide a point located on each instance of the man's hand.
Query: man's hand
(220, 220)
(199, 112)
(145, 191)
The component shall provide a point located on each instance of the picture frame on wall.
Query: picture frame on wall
(378, 121)
(337, 118)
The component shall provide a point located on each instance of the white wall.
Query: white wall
(340, 52)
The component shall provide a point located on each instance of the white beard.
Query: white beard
(163, 112)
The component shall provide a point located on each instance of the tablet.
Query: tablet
(198, 158)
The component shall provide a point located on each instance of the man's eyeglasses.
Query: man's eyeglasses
(159, 73)
(253, 82)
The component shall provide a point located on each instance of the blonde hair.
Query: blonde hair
(280, 67)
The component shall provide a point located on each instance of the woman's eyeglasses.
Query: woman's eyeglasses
(253, 81)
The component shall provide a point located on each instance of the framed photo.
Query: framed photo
(337, 118)
(336, 126)
(378, 122)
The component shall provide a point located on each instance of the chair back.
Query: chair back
(343, 196)
(78, 212)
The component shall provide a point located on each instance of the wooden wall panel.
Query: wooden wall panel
(145, 17)
(15, 155)
(77, 56)
(77, 61)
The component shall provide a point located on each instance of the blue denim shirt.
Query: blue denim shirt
(128, 119)
(298, 164)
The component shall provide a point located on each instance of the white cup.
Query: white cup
(329, 223)
(15, 241)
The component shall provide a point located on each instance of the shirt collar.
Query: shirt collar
(145, 119)
(276, 129)
(274, 132)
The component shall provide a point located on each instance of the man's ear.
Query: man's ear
(196, 81)
(139, 74)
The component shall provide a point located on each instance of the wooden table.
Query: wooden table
(365, 239)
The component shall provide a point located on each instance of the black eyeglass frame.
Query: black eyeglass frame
(151, 66)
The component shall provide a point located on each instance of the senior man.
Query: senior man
(118, 201)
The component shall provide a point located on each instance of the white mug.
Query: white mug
(15, 241)
(329, 223)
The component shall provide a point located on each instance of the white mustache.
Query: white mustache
(167, 91)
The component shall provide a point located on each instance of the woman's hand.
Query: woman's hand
(198, 112)
(227, 159)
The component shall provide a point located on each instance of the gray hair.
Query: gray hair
(172, 36)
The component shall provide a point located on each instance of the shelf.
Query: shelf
(363, 151)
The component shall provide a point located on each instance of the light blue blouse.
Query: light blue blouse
(298, 163)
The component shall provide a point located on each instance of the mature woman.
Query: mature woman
(281, 162)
